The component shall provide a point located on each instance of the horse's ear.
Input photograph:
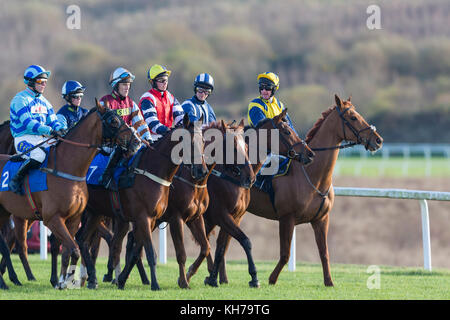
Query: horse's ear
(201, 118)
(241, 124)
(223, 126)
(338, 101)
(349, 98)
(186, 121)
(100, 107)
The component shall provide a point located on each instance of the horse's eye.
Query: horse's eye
(287, 132)
(353, 118)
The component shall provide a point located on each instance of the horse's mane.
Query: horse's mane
(4, 123)
(312, 132)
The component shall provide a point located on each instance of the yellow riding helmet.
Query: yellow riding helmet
(269, 78)
(156, 70)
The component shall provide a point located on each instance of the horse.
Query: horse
(7, 147)
(305, 194)
(229, 200)
(60, 206)
(142, 204)
(187, 203)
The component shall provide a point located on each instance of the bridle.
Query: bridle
(291, 153)
(357, 133)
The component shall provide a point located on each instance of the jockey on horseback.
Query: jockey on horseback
(72, 112)
(159, 107)
(120, 80)
(267, 105)
(32, 117)
(197, 106)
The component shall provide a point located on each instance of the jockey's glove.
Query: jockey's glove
(59, 133)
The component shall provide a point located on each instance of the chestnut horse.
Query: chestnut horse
(142, 204)
(229, 201)
(305, 194)
(62, 204)
(188, 201)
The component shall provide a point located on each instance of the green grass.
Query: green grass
(393, 167)
(305, 283)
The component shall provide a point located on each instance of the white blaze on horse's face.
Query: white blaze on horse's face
(235, 139)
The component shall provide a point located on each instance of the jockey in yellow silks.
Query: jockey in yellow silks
(266, 106)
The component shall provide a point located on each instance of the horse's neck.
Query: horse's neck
(321, 169)
(158, 160)
(75, 159)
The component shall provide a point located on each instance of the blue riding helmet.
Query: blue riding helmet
(34, 72)
(71, 87)
(204, 80)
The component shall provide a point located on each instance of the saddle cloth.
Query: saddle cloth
(265, 175)
(37, 178)
(123, 173)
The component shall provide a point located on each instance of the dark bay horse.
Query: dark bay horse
(62, 204)
(142, 204)
(229, 201)
(305, 194)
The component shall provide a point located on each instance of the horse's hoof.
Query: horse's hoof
(16, 282)
(155, 287)
(254, 284)
(211, 282)
(183, 284)
(92, 285)
(32, 278)
(329, 284)
(107, 278)
(114, 281)
(224, 281)
(146, 282)
(3, 286)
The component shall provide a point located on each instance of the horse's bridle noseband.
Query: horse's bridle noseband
(110, 133)
(359, 139)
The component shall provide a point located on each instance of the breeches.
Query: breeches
(26, 142)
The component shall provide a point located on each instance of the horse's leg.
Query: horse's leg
(84, 235)
(286, 228)
(129, 249)
(197, 227)
(55, 245)
(143, 232)
(56, 224)
(10, 240)
(120, 231)
(177, 232)
(229, 226)
(20, 231)
(320, 228)
(72, 225)
(4, 250)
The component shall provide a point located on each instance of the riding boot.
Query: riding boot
(15, 185)
(106, 179)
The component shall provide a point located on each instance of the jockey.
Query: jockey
(159, 107)
(32, 117)
(267, 105)
(120, 80)
(197, 106)
(71, 113)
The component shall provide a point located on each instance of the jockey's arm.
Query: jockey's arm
(177, 112)
(151, 117)
(255, 115)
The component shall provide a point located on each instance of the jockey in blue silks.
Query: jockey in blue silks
(197, 106)
(72, 112)
(32, 117)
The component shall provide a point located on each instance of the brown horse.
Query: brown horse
(62, 204)
(306, 194)
(7, 147)
(229, 201)
(187, 203)
(142, 204)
